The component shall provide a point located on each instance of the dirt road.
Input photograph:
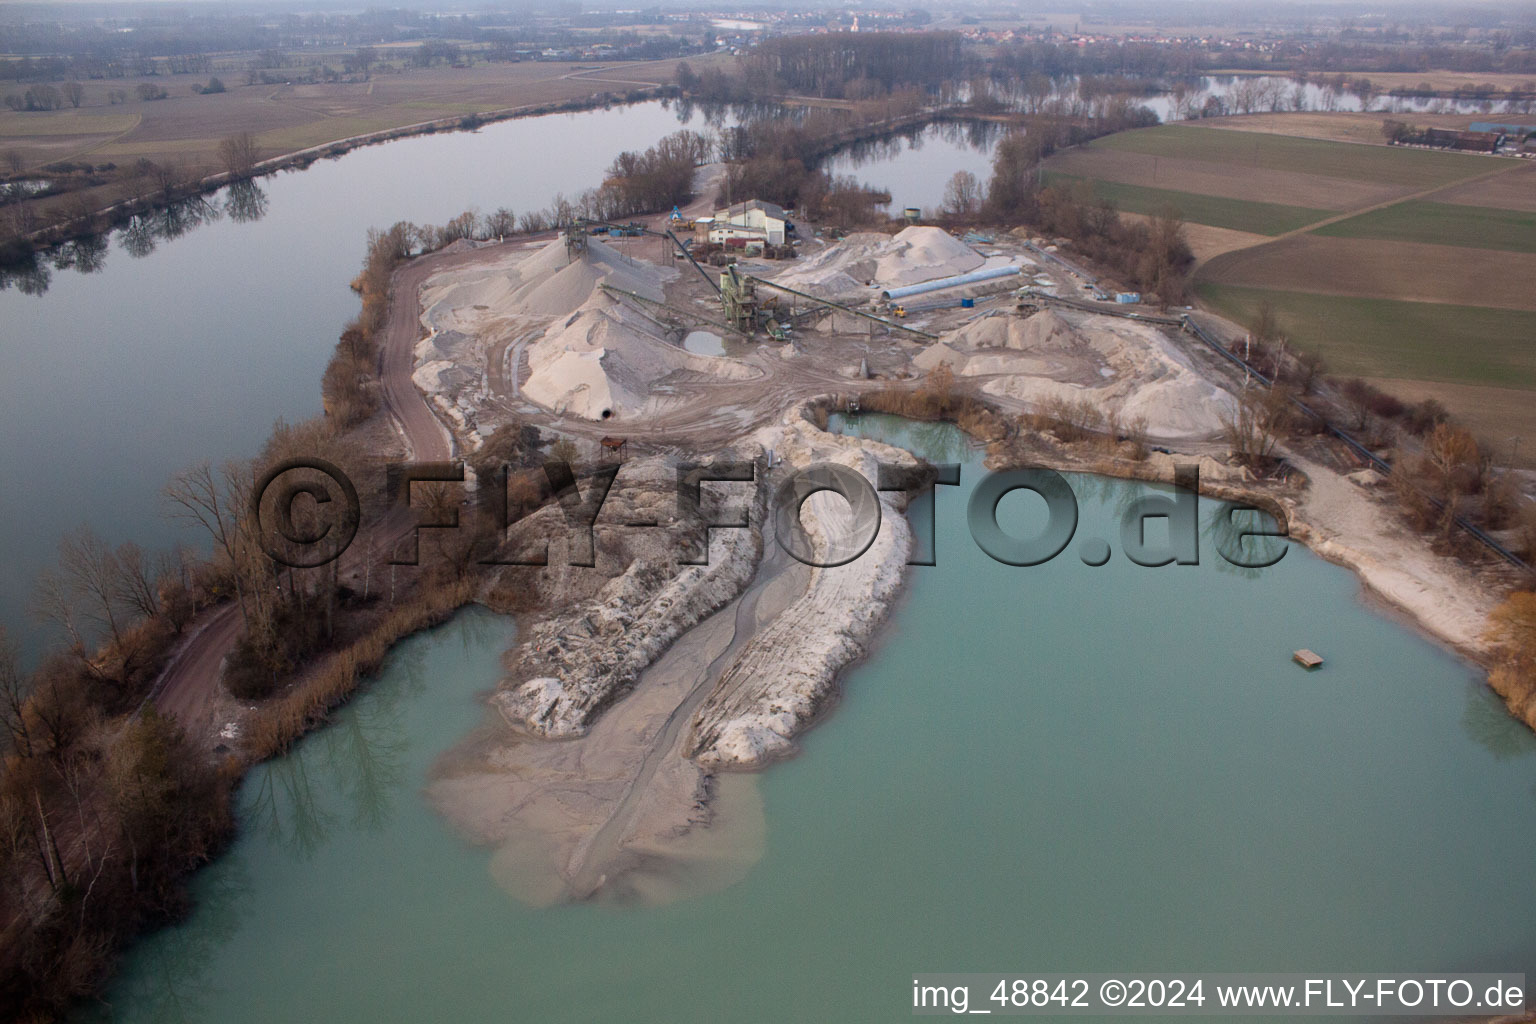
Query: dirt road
(189, 686)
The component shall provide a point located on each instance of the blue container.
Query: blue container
(967, 303)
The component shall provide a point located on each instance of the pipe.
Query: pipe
(984, 274)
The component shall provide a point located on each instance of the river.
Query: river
(119, 378)
(1061, 768)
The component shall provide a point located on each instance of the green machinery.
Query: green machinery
(738, 294)
(745, 309)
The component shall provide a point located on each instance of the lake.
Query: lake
(1061, 768)
(117, 379)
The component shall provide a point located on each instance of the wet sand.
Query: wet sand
(620, 815)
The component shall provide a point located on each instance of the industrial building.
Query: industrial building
(753, 220)
(1476, 142)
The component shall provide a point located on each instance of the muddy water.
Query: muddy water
(704, 343)
(620, 815)
(1063, 768)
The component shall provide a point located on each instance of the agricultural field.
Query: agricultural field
(1334, 126)
(1406, 271)
(1241, 151)
(187, 127)
(1469, 227)
(1215, 211)
(1514, 190)
(1410, 267)
(1389, 338)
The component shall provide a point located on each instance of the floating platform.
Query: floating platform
(1307, 659)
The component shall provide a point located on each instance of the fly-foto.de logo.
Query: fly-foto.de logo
(308, 513)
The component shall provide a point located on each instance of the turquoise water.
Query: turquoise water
(1060, 768)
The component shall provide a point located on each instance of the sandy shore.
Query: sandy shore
(630, 806)
(605, 771)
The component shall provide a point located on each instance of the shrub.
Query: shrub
(514, 444)
(1512, 631)
(1425, 416)
(1069, 419)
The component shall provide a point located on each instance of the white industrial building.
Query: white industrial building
(754, 220)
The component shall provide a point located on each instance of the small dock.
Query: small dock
(1307, 659)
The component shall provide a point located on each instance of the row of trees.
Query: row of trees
(829, 65)
(104, 805)
(777, 160)
(1440, 471)
(46, 97)
(660, 177)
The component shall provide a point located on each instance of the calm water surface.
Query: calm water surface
(1060, 768)
(118, 379)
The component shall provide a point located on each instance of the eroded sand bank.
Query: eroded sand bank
(629, 805)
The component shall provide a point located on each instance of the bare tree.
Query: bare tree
(962, 195)
(218, 505)
(137, 583)
(1254, 426)
(90, 574)
(13, 697)
(501, 223)
(14, 161)
(1453, 463)
(74, 92)
(51, 602)
(239, 154)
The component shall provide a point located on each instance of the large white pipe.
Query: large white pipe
(984, 274)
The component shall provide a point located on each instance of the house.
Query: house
(1476, 142)
(753, 220)
(1480, 142)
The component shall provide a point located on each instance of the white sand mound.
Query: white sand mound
(602, 362)
(597, 357)
(1044, 345)
(866, 262)
(568, 288)
(546, 283)
(939, 354)
(1129, 370)
(1044, 332)
(919, 254)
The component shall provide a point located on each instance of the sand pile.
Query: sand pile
(597, 357)
(919, 254)
(569, 287)
(602, 362)
(546, 283)
(1126, 369)
(842, 271)
(866, 262)
(1044, 345)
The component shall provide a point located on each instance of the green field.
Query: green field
(1387, 338)
(1470, 227)
(1217, 211)
(1379, 164)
